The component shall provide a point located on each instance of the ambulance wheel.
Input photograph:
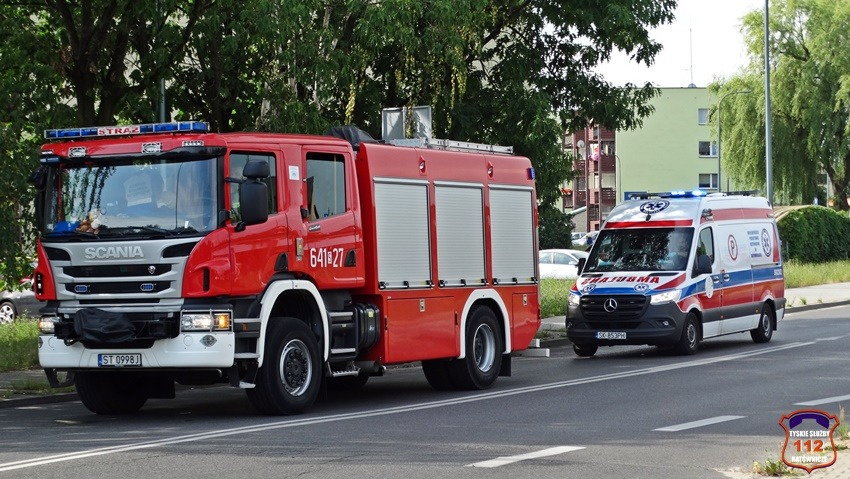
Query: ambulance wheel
(290, 378)
(347, 383)
(480, 368)
(110, 393)
(764, 331)
(437, 373)
(689, 342)
(584, 350)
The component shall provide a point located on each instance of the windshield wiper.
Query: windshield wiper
(84, 234)
(123, 230)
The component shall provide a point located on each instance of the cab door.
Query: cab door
(736, 279)
(333, 242)
(711, 297)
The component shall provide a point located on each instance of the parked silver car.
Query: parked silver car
(18, 303)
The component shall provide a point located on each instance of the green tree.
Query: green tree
(810, 92)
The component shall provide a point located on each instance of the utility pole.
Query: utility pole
(768, 138)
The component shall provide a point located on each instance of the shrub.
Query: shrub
(18, 347)
(815, 234)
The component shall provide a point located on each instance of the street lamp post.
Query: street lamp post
(720, 129)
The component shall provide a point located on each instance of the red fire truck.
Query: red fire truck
(278, 263)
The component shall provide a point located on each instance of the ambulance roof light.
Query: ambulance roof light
(127, 130)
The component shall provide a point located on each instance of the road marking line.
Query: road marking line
(818, 402)
(700, 423)
(832, 338)
(501, 461)
(9, 466)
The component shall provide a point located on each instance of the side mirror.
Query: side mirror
(255, 170)
(581, 263)
(254, 201)
(703, 265)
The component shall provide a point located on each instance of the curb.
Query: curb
(809, 307)
(38, 400)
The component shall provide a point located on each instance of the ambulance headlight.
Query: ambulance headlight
(665, 297)
(574, 299)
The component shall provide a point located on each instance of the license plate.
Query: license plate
(133, 360)
(611, 335)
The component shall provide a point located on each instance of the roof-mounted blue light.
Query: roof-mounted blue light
(684, 194)
(126, 130)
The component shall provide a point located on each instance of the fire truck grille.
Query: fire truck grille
(116, 271)
(629, 306)
(134, 287)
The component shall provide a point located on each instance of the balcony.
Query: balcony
(603, 196)
(605, 164)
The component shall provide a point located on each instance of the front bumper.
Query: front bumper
(184, 351)
(647, 328)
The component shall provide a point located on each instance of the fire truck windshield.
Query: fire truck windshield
(643, 249)
(140, 197)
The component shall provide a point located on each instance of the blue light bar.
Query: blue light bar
(128, 130)
(684, 194)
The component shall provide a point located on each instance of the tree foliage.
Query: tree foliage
(514, 72)
(810, 92)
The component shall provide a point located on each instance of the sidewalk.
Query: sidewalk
(797, 299)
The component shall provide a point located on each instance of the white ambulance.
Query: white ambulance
(672, 269)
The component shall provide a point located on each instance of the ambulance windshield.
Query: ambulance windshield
(139, 197)
(645, 249)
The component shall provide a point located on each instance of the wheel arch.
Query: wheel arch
(297, 299)
(770, 303)
(491, 299)
(698, 313)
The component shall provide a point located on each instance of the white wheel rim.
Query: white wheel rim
(692, 335)
(296, 369)
(484, 348)
(7, 313)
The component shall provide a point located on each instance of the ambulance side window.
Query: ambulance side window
(325, 185)
(706, 244)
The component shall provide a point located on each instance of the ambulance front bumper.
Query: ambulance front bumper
(657, 324)
(186, 351)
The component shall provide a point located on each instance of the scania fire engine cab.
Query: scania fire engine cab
(278, 263)
(671, 269)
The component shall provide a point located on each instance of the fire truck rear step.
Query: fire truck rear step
(347, 369)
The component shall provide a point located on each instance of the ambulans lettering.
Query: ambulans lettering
(624, 279)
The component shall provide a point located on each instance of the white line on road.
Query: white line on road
(70, 456)
(700, 423)
(501, 461)
(834, 338)
(818, 402)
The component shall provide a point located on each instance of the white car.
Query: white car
(560, 263)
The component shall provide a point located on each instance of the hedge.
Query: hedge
(815, 234)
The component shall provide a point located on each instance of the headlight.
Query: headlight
(665, 297)
(47, 324)
(211, 321)
(574, 299)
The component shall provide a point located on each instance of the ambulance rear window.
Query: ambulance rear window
(641, 249)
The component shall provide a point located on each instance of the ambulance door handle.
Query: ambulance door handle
(725, 277)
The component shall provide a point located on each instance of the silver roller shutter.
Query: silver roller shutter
(460, 234)
(512, 234)
(401, 211)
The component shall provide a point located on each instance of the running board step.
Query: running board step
(246, 356)
(349, 370)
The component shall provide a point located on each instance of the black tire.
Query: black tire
(585, 350)
(437, 374)
(689, 341)
(347, 383)
(292, 346)
(8, 312)
(480, 367)
(110, 393)
(764, 330)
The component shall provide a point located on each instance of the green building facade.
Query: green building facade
(675, 148)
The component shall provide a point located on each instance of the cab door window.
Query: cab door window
(706, 244)
(237, 164)
(325, 185)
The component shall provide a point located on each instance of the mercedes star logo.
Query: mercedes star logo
(610, 305)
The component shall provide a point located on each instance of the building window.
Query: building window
(607, 148)
(708, 180)
(702, 116)
(708, 148)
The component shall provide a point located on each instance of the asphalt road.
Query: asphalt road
(556, 417)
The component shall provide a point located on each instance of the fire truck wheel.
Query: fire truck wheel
(480, 368)
(291, 375)
(689, 342)
(437, 373)
(764, 331)
(110, 393)
(347, 383)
